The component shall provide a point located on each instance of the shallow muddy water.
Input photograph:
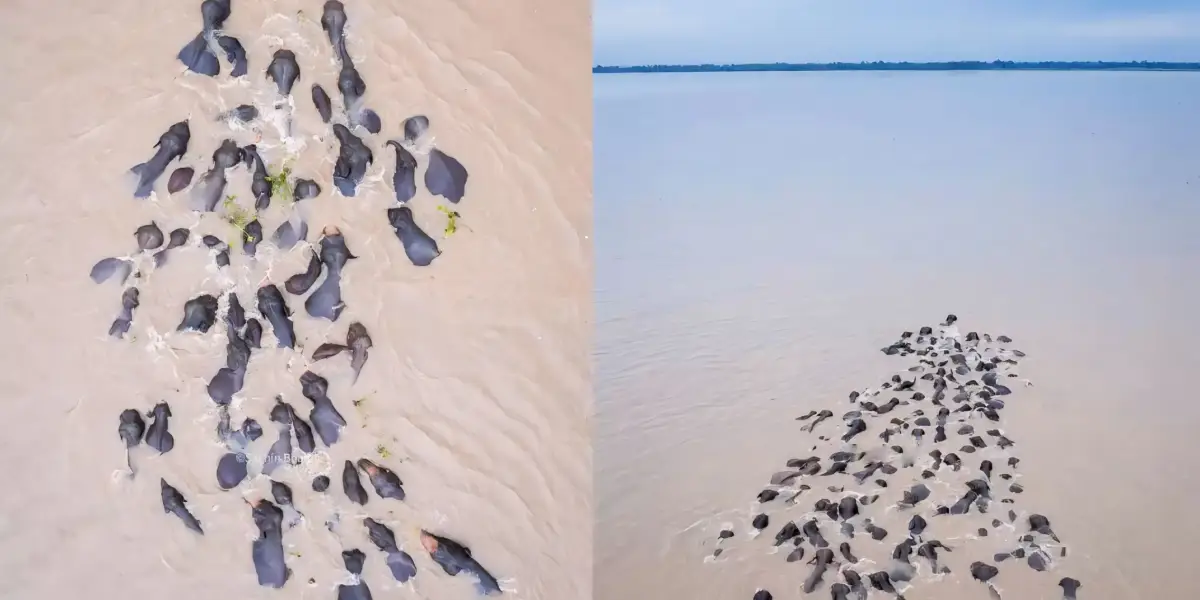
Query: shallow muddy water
(767, 234)
(477, 389)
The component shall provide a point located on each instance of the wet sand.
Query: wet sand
(477, 389)
(752, 296)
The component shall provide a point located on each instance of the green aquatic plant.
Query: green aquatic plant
(451, 219)
(281, 187)
(383, 452)
(236, 215)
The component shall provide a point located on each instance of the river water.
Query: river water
(477, 390)
(761, 236)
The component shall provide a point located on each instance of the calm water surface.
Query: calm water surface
(760, 236)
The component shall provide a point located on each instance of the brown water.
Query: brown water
(477, 388)
(762, 236)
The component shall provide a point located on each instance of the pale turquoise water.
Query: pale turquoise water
(759, 236)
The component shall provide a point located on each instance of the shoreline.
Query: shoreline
(1123, 66)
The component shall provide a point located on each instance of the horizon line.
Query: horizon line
(958, 65)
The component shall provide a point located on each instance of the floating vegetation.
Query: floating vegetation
(452, 219)
(382, 451)
(281, 187)
(236, 215)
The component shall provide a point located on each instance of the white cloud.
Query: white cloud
(645, 21)
(636, 31)
(1147, 28)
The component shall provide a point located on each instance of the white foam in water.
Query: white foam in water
(421, 147)
(440, 518)
(290, 38)
(508, 584)
(280, 117)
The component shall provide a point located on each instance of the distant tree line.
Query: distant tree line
(960, 65)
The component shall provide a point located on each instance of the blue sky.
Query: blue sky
(725, 31)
